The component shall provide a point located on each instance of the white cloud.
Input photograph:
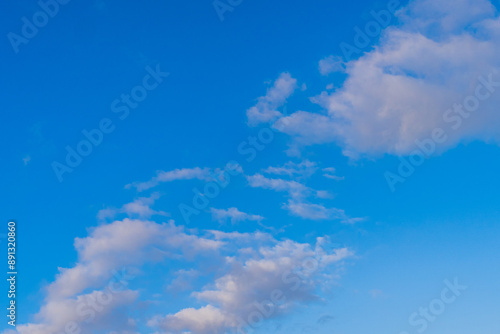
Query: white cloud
(266, 108)
(183, 280)
(237, 236)
(306, 129)
(196, 173)
(304, 169)
(173, 175)
(331, 64)
(251, 267)
(444, 16)
(290, 270)
(107, 249)
(140, 207)
(124, 243)
(293, 188)
(207, 319)
(87, 313)
(314, 211)
(400, 91)
(26, 160)
(58, 314)
(299, 194)
(324, 194)
(319, 212)
(348, 220)
(329, 173)
(234, 215)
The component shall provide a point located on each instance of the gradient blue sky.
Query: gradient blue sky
(441, 223)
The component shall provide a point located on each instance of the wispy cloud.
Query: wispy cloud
(183, 280)
(331, 64)
(376, 293)
(314, 211)
(140, 207)
(233, 215)
(304, 169)
(266, 108)
(173, 175)
(293, 188)
(26, 159)
(299, 195)
(329, 173)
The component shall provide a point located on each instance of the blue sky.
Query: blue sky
(378, 166)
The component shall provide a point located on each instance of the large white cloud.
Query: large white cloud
(97, 278)
(73, 315)
(96, 295)
(406, 87)
(124, 243)
(261, 283)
